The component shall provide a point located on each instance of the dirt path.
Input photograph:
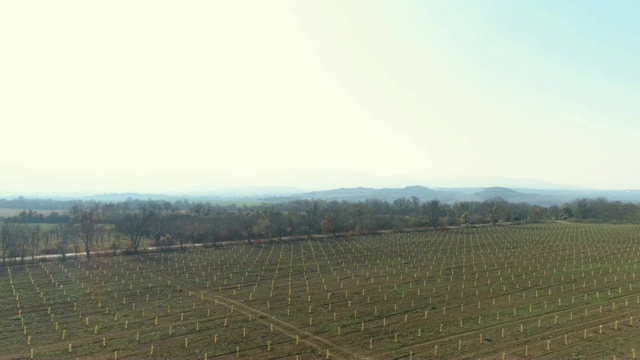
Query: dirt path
(319, 343)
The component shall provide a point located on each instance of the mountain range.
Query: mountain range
(542, 197)
(449, 195)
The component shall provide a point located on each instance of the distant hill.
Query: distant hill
(119, 197)
(421, 192)
(546, 197)
(494, 192)
(362, 194)
(542, 197)
(520, 197)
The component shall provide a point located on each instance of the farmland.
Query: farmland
(555, 290)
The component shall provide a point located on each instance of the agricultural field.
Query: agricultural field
(6, 212)
(554, 290)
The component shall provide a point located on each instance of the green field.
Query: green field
(545, 291)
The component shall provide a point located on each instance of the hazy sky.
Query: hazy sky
(171, 95)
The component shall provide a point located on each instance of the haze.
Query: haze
(155, 96)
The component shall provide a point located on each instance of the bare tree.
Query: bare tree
(248, 220)
(497, 209)
(9, 236)
(47, 239)
(161, 217)
(24, 236)
(536, 214)
(278, 222)
(65, 235)
(433, 210)
(87, 225)
(35, 237)
(135, 224)
(311, 217)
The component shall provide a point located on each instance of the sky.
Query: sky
(174, 96)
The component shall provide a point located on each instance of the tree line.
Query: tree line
(89, 226)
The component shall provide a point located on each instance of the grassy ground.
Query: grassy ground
(544, 291)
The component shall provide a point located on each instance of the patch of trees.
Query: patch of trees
(38, 204)
(601, 210)
(90, 226)
(34, 217)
